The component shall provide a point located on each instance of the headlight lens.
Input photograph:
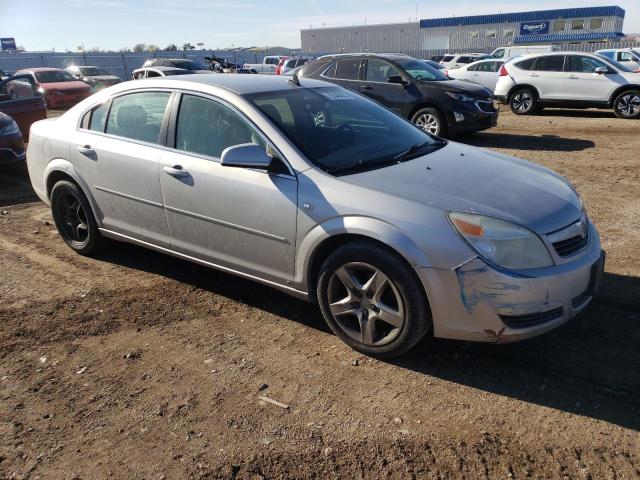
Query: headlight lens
(9, 129)
(461, 97)
(500, 242)
(40, 90)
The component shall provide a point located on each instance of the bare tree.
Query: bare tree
(172, 47)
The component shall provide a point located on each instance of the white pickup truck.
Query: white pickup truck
(268, 65)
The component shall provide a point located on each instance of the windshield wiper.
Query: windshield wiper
(360, 166)
(414, 150)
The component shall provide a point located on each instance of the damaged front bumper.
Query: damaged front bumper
(478, 302)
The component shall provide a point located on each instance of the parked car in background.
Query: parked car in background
(96, 77)
(268, 65)
(457, 60)
(59, 88)
(151, 72)
(506, 53)
(568, 79)
(326, 195)
(291, 64)
(183, 63)
(433, 64)
(412, 89)
(20, 99)
(11, 143)
(629, 57)
(484, 72)
(437, 58)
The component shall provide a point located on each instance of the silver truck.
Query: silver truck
(268, 65)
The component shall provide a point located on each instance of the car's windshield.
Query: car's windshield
(342, 132)
(52, 76)
(188, 65)
(421, 70)
(93, 71)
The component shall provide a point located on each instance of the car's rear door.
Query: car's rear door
(346, 73)
(548, 77)
(20, 100)
(237, 218)
(584, 84)
(375, 84)
(116, 150)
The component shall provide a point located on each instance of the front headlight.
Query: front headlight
(500, 242)
(40, 90)
(461, 97)
(9, 129)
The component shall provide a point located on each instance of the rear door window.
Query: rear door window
(552, 63)
(138, 115)
(526, 64)
(447, 58)
(348, 69)
(486, 67)
(464, 60)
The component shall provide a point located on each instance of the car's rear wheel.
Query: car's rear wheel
(627, 104)
(431, 121)
(523, 101)
(74, 219)
(372, 300)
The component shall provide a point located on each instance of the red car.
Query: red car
(20, 99)
(58, 87)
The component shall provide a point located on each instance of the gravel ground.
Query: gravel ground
(137, 365)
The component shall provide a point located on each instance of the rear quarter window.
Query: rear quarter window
(525, 64)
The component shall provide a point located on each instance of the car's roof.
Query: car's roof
(40, 69)
(83, 66)
(389, 56)
(159, 68)
(243, 84)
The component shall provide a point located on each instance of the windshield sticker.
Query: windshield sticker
(335, 93)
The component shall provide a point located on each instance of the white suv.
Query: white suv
(568, 79)
(457, 60)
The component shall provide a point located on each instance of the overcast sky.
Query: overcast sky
(113, 24)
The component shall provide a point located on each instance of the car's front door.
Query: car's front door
(115, 149)
(583, 83)
(238, 218)
(346, 73)
(486, 74)
(377, 86)
(20, 100)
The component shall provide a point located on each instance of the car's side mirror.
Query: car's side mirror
(397, 79)
(601, 70)
(246, 155)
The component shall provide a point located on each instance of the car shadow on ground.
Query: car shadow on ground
(15, 185)
(552, 143)
(587, 367)
(591, 113)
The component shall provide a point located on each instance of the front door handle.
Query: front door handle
(534, 75)
(176, 171)
(574, 77)
(86, 150)
(367, 87)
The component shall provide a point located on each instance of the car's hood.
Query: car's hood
(469, 179)
(104, 78)
(75, 85)
(460, 86)
(5, 120)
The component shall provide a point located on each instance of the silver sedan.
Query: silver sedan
(324, 194)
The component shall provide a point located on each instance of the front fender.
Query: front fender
(356, 225)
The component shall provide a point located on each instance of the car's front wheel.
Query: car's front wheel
(627, 104)
(372, 300)
(431, 121)
(523, 102)
(74, 219)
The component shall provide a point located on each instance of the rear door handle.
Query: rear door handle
(534, 75)
(176, 171)
(574, 77)
(367, 87)
(86, 150)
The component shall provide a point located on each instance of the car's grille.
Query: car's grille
(580, 299)
(485, 106)
(531, 319)
(571, 245)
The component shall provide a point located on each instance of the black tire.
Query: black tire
(404, 282)
(523, 101)
(66, 197)
(423, 117)
(627, 104)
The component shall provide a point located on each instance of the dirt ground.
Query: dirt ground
(137, 365)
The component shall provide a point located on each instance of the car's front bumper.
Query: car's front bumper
(476, 117)
(477, 302)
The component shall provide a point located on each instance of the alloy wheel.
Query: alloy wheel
(74, 219)
(366, 304)
(429, 123)
(629, 105)
(522, 101)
